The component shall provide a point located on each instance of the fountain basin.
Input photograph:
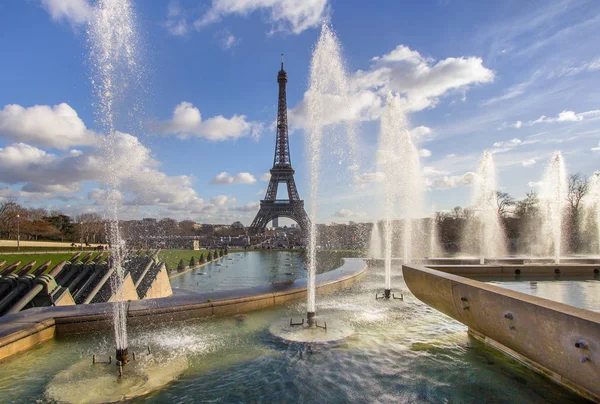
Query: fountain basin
(404, 352)
(21, 331)
(538, 332)
(87, 383)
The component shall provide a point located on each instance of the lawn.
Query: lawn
(172, 257)
(46, 249)
(38, 258)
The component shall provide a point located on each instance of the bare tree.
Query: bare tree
(528, 206)
(8, 216)
(6, 205)
(504, 201)
(578, 187)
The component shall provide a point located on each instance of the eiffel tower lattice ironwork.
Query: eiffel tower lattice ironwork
(282, 172)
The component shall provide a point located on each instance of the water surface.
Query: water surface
(402, 351)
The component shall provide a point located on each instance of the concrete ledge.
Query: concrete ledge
(26, 338)
(590, 271)
(21, 331)
(542, 332)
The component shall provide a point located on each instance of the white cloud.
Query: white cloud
(514, 91)
(251, 207)
(354, 167)
(58, 126)
(509, 143)
(143, 189)
(596, 149)
(591, 66)
(176, 22)
(40, 171)
(366, 178)
(516, 125)
(75, 11)
(425, 153)
(284, 15)
(187, 121)
(363, 105)
(535, 184)
(221, 200)
(528, 162)
(345, 213)
(567, 116)
(421, 133)
(227, 40)
(419, 80)
(429, 171)
(241, 178)
(266, 177)
(453, 181)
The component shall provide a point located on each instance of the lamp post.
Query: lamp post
(18, 233)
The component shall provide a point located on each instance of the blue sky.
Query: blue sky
(518, 78)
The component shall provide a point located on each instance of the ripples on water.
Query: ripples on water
(402, 351)
(243, 270)
(584, 294)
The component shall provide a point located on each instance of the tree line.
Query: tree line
(41, 224)
(521, 218)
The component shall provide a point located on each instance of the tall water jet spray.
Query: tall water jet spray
(434, 244)
(403, 183)
(328, 84)
(375, 247)
(113, 53)
(592, 207)
(553, 197)
(484, 231)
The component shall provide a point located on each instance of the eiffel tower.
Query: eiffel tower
(282, 171)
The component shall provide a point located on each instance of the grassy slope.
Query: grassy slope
(38, 258)
(172, 257)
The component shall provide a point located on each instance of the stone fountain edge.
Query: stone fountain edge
(21, 331)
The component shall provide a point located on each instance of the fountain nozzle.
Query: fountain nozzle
(387, 293)
(122, 355)
(310, 318)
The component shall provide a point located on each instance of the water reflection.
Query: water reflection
(243, 270)
(584, 294)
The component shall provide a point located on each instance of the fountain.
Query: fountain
(375, 248)
(328, 84)
(553, 198)
(484, 233)
(113, 44)
(403, 182)
(229, 359)
(327, 79)
(434, 243)
(592, 209)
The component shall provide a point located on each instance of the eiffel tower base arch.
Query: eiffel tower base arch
(270, 210)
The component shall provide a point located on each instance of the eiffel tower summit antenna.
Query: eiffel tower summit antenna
(282, 172)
